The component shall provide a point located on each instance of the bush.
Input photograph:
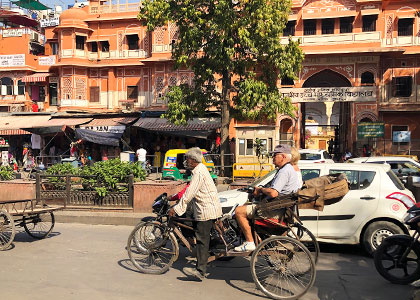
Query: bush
(6, 173)
(109, 176)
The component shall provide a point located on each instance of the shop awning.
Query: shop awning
(111, 121)
(98, 137)
(22, 122)
(31, 4)
(57, 125)
(163, 125)
(37, 77)
(13, 132)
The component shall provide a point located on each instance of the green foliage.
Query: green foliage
(232, 44)
(6, 173)
(61, 169)
(103, 176)
(111, 175)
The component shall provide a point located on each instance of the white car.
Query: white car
(401, 166)
(315, 156)
(372, 210)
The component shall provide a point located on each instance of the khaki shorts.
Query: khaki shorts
(250, 210)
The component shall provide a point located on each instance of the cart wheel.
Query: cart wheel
(282, 268)
(303, 235)
(151, 248)
(7, 230)
(39, 226)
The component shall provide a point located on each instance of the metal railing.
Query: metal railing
(75, 192)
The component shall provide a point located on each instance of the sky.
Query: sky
(52, 3)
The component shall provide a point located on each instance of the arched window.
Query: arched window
(21, 88)
(367, 78)
(6, 86)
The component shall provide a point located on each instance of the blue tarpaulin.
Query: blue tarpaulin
(98, 137)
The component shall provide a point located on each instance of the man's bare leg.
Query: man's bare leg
(240, 215)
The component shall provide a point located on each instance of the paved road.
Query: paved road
(90, 262)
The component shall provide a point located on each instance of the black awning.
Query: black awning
(98, 137)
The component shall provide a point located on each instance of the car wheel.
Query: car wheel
(376, 232)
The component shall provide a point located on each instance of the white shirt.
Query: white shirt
(203, 194)
(141, 154)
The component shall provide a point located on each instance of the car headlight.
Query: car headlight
(222, 200)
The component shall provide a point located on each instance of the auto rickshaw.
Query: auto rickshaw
(173, 165)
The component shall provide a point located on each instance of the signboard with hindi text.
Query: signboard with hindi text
(370, 130)
(12, 60)
(333, 94)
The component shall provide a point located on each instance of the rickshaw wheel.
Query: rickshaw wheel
(151, 248)
(282, 268)
(39, 226)
(7, 230)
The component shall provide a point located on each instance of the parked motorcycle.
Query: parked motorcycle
(397, 258)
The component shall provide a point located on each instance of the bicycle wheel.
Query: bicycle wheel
(39, 226)
(152, 249)
(282, 268)
(305, 236)
(390, 264)
(7, 230)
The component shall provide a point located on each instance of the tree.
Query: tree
(233, 47)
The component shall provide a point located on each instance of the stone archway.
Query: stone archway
(334, 120)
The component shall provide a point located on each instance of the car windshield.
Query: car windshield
(207, 158)
(310, 156)
(258, 181)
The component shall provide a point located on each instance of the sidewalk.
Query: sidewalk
(99, 217)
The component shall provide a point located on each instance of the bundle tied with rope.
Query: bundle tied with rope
(315, 193)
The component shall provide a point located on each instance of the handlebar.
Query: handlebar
(229, 215)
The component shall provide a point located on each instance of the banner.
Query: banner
(50, 22)
(12, 32)
(334, 94)
(46, 60)
(13, 60)
(401, 136)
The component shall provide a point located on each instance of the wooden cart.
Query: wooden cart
(35, 216)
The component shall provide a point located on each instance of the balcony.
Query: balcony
(329, 39)
(109, 7)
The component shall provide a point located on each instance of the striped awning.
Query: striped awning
(13, 132)
(37, 77)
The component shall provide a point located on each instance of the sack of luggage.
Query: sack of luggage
(324, 190)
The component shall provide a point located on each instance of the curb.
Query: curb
(99, 218)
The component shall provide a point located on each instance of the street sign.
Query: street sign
(401, 136)
(370, 130)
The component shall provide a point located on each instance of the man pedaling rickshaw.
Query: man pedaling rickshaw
(286, 181)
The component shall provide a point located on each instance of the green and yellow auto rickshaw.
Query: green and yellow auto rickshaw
(173, 165)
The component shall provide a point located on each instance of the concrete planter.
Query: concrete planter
(17, 189)
(145, 192)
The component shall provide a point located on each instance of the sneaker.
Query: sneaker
(194, 273)
(245, 247)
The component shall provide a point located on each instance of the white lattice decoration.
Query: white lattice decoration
(80, 88)
(172, 80)
(173, 31)
(67, 88)
(159, 35)
(160, 84)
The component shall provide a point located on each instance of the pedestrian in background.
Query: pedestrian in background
(141, 156)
